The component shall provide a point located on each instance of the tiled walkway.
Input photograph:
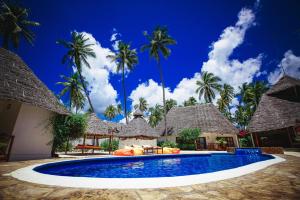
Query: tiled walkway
(280, 181)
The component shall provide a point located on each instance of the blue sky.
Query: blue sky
(240, 41)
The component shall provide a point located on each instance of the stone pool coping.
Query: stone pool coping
(29, 175)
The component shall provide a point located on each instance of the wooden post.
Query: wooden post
(10, 147)
(290, 139)
(253, 143)
(94, 142)
(82, 151)
(256, 138)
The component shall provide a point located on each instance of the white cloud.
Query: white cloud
(102, 92)
(233, 71)
(291, 65)
(152, 91)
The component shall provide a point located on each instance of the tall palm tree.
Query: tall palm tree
(156, 113)
(142, 105)
(110, 112)
(255, 92)
(126, 59)
(73, 87)
(158, 44)
(207, 86)
(79, 50)
(14, 23)
(190, 102)
(227, 94)
(170, 103)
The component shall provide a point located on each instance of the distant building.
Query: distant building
(276, 121)
(26, 105)
(212, 123)
(137, 132)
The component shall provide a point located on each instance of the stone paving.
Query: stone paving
(280, 181)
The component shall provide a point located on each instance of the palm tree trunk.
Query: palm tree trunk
(124, 94)
(85, 90)
(164, 97)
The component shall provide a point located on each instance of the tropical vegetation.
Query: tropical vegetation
(170, 103)
(156, 115)
(114, 145)
(66, 128)
(74, 89)
(78, 51)
(126, 59)
(187, 138)
(208, 86)
(142, 105)
(112, 111)
(158, 42)
(190, 102)
(14, 24)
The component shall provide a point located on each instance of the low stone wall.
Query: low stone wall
(268, 150)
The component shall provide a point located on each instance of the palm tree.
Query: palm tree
(158, 44)
(126, 59)
(190, 102)
(155, 115)
(255, 92)
(119, 109)
(110, 112)
(170, 103)
(14, 23)
(78, 53)
(142, 105)
(227, 94)
(73, 87)
(207, 86)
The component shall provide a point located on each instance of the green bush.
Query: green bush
(3, 147)
(186, 146)
(66, 128)
(114, 144)
(246, 141)
(167, 144)
(189, 135)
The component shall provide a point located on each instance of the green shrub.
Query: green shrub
(66, 128)
(114, 145)
(189, 135)
(221, 141)
(246, 141)
(186, 146)
(167, 144)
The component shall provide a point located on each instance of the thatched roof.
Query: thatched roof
(19, 83)
(284, 83)
(205, 116)
(274, 113)
(137, 127)
(98, 127)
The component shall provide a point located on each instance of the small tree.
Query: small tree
(187, 138)
(66, 128)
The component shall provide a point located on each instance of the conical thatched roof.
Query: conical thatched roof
(99, 127)
(284, 83)
(19, 83)
(205, 116)
(138, 127)
(277, 112)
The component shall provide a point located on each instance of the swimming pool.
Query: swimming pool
(157, 171)
(150, 166)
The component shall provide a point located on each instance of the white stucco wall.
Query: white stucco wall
(134, 141)
(210, 137)
(32, 133)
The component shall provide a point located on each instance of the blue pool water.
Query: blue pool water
(150, 166)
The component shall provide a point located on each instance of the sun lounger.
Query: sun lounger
(81, 146)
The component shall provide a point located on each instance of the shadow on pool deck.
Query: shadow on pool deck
(280, 181)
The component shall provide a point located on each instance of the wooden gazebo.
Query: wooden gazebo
(98, 129)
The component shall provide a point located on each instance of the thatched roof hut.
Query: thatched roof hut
(205, 116)
(137, 128)
(100, 128)
(277, 108)
(19, 83)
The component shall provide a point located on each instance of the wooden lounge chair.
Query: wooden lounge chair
(81, 146)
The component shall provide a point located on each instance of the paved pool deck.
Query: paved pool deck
(279, 181)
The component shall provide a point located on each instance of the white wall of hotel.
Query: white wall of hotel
(210, 137)
(135, 141)
(31, 128)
